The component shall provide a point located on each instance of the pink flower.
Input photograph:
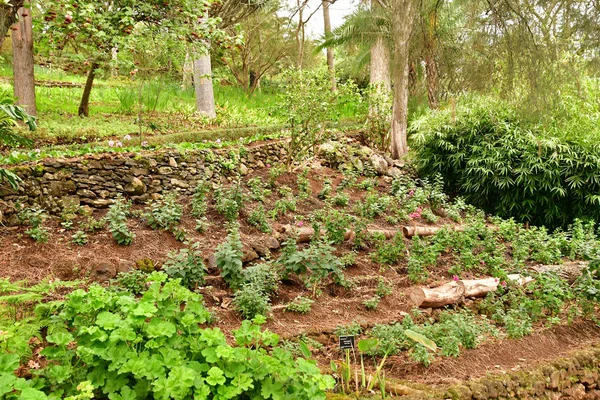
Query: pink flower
(111, 143)
(495, 279)
(127, 138)
(300, 223)
(416, 214)
(503, 283)
(268, 165)
(411, 192)
(145, 143)
(455, 278)
(218, 141)
(119, 144)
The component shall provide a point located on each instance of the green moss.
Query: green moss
(145, 265)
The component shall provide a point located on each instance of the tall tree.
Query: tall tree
(92, 28)
(327, 29)
(402, 16)
(230, 12)
(22, 43)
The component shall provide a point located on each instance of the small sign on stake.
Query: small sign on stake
(347, 342)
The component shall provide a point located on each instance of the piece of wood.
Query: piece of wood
(410, 231)
(454, 292)
(449, 293)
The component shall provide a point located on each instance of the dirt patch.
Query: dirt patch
(500, 357)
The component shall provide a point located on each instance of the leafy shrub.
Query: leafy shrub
(79, 238)
(389, 253)
(309, 105)
(35, 217)
(258, 218)
(282, 206)
(249, 301)
(186, 264)
(199, 202)
(300, 305)
(507, 166)
(304, 189)
(166, 214)
(229, 258)
(133, 281)
(229, 201)
(263, 276)
(383, 289)
(372, 303)
(376, 132)
(314, 264)
(258, 190)
(117, 221)
(89, 341)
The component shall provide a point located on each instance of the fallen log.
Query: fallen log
(304, 234)
(449, 293)
(410, 231)
(456, 291)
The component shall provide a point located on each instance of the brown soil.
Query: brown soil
(22, 258)
(502, 356)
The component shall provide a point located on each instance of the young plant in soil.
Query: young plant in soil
(117, 221)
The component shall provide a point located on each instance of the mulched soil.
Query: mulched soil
(23, 259)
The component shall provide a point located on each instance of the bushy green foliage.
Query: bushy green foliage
(314, 264)
(79, 238)
(304, 189)
(389, 252)
(451, 332)
(117, 221)
(264, 276)
(199, 202)
(89, 347)
(249, 301)
(186, 264)
(35, 217)
(300, 305)
(229, 201)
(258, 190)
(310, 105)
(133, 281)
(258, 218)
(229, 258)
(166, 214)
(508, 166)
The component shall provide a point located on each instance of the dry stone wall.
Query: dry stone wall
(575, 377)
(95, 181)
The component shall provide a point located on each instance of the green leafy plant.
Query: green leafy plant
(258, 190)
(300, 305)
(263, 276)
(249, 301)
(325, 190)
(79, 238)
(229, 258)
(372, 303)
(133, 281)
(229, 201)
(304, 189)
(166, 214)
(35, 217)
(258, 218)
(117, 221)
(187, 265)
(89, 340)
(199, 201)
(389, 253)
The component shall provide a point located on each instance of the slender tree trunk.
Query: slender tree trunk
(188, 71)
(114, 54)
(431, 68)
(330, 60)
(403, 15)
(300, 35)
(205, 96)
(84, 106)
(380, 65)
(22, 41)
(8, 16)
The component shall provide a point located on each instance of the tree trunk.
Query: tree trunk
(188, 71)
(22, 41)
(403, 13)
(330, 61)
(431, 68)
(84, 106)
(380, 65)
(205, 96)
